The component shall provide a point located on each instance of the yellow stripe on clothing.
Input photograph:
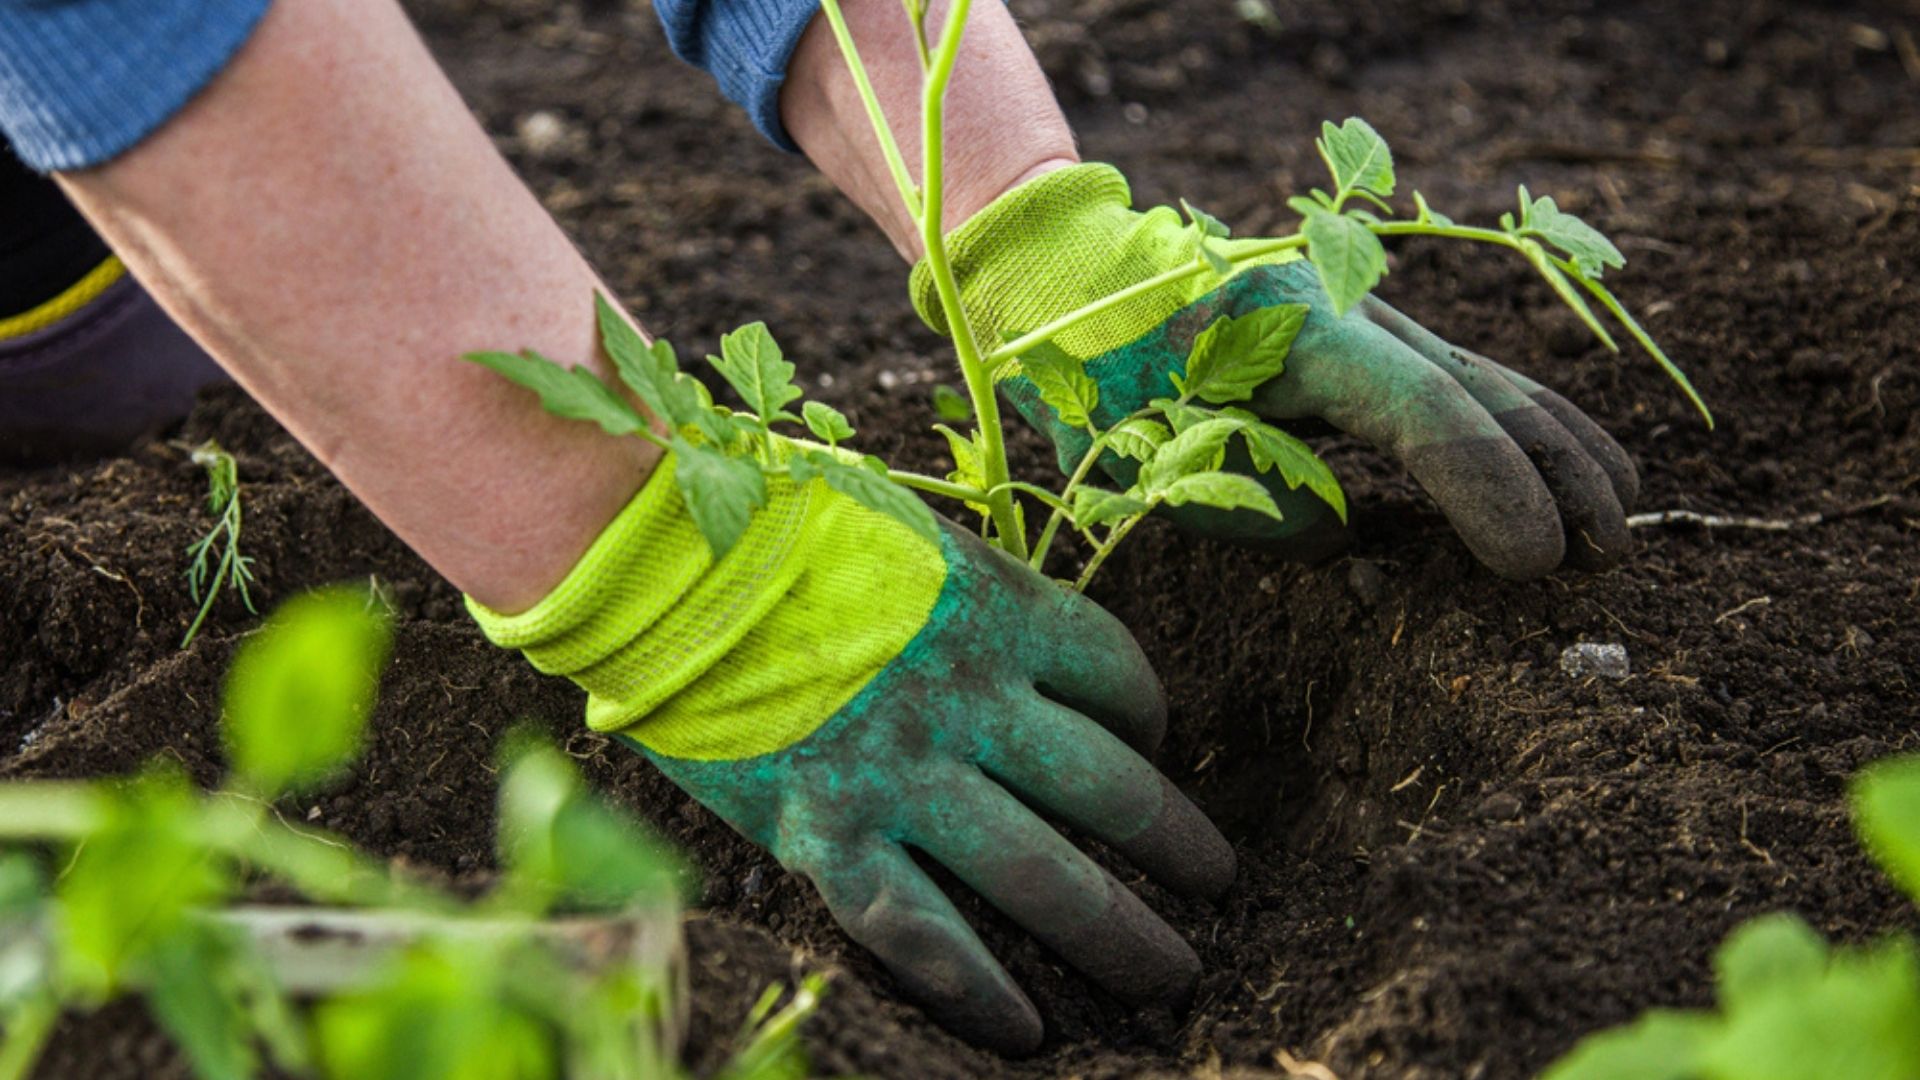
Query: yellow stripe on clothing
(82, 293)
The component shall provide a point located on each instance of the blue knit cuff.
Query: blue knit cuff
(745, 45)
(82, 81)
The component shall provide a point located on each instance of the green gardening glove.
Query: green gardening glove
(840, 688)
(1527, 480)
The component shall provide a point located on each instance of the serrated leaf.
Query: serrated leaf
(1209, 225)
(1357, 156)
(752, 363)
(721, 492)
(1771, 954)
(881, 495)
(300, 691)
(951, 405)
(576, 394)
(967, 467)
(827, 423)
(1095, 506)
(1272, 448)
(1886, 813)
(1198, 449)
(1662, 1045)
(1223, 491)
(1063, 383)
(1137, 438)
(1586, 246)
(1233, 357)
(1180, 414)
(1347, 255)
(652, 372)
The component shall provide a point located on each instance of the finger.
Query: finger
(1596, 527)
(1365, 381)
(890, 907)
(1020, 865)
(1078, 652)
(1599, 445)
(1074, 770)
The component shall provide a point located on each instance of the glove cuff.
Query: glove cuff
(1060, 240)
(707, 659)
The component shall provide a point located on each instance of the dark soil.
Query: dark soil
(1455, 859)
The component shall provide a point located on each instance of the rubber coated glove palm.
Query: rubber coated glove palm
(840, 689)
(1527, 479)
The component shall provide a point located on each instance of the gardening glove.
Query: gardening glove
(840, 688)
(1527, 479)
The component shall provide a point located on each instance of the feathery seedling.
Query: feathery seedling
(208, 573)
(1180, 441)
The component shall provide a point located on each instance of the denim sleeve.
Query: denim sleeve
(744, 45)
(81, 81)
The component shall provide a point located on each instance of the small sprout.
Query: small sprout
(206, 576)
(950, 405)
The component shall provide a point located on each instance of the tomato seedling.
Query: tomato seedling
(207, 573)
(1180, 441)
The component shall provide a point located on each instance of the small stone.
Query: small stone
(1608, 660)
(755, 881)
(541, 133)
(1369, 585)
(1501, 806)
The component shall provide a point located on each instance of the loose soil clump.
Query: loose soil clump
(1456, 858)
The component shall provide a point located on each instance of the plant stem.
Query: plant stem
(937, 486)
(1035, 490)
(999, 357)
(1066, 495)
(889, 149)
(1114, 537)
(979, 376)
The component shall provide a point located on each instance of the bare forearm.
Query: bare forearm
(331, 223)
(1002, 122)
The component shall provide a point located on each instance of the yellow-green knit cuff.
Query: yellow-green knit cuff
(647, 610)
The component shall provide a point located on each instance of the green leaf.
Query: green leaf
(1208, 225)
(1063, 383)
(300, 691)
(951, 405)
(1347, 255)
(1093, 506)
(558, 840)
(1216, 262)
(721, 492)
(1886, 814)
(653, 373)
(577, 394)
(1198, 449)
(1233, 357)
(1662, 1045)
(1222, 490)
(1772, 954)
(1357, 156)
(1272, 448)
(967, 463)
(1137, 438)
(751, 362)
(1860, 1017)
(1589, 249)
(132, 884)
(877, 493)
(1543, 262)
(1180, 414)
(827, 423)
(193, 995)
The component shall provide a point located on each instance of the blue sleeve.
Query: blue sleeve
(84, 80)
(744, 45)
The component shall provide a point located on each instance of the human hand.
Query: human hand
(840, 689)
(1528, 481)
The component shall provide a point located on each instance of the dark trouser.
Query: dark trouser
(97, 380)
